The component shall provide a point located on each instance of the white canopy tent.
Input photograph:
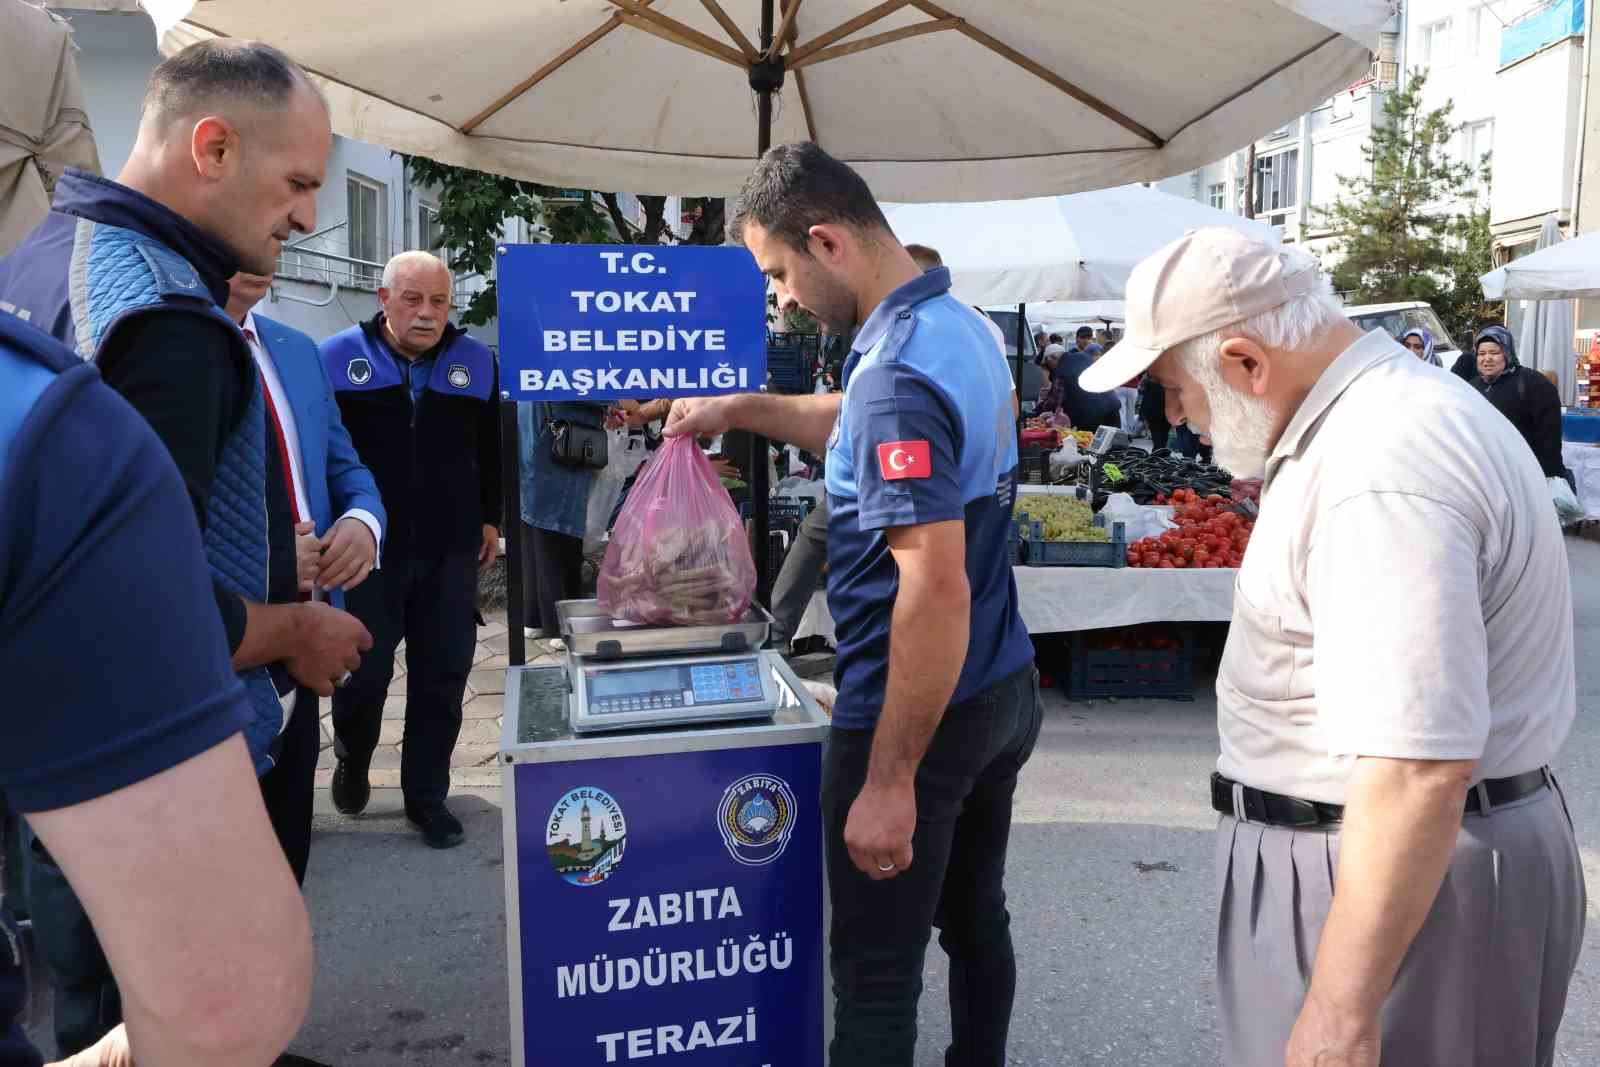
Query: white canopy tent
(959, 100)
(1061, 248)
(1568, 270)
(1545, 341)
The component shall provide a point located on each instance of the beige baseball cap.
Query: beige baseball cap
(1203, 281)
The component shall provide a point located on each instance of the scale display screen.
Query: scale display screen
(615, 691)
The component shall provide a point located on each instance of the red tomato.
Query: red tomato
(1168, 564)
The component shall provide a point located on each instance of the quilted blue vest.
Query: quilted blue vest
(116, 273)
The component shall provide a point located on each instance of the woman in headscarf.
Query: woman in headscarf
(1420, 340)
(1526, 398)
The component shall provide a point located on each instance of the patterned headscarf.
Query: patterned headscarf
(1502, 337)
(1428, 354)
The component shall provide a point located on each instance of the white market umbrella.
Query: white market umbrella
(1546, 341)
(1061, 248)
(959, 100)
(1568, 270)
(969, 100)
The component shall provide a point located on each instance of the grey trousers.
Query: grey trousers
(1483, 985)
(797, 580)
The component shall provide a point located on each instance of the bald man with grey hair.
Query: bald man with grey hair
(420, 399)
(232, 145)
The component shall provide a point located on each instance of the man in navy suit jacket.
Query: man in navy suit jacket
(336, 513)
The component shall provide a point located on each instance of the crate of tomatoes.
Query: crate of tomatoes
(1153, 660)
(1211, 531)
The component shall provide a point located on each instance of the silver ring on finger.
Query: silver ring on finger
(885, 867)
(342, 681)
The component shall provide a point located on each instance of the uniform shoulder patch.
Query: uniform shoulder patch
(899, 460)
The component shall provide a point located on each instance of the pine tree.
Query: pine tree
(1399, 237)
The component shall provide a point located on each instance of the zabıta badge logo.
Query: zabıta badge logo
(586, 835)
(756, 818)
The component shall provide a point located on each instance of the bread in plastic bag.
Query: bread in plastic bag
(678, 554)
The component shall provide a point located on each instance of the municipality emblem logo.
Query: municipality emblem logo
(459, 376)
(756, 818)
(359, 371)
(586, 835)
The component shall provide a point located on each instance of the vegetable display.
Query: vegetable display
(1212, 532)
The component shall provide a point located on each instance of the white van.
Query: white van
(1398, 318)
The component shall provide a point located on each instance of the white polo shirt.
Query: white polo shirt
(1405, 593)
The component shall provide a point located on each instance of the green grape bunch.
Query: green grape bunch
(1063, 518)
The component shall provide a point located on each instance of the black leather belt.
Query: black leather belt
(1275, 809)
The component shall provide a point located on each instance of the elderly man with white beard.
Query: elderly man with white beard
(1397, 872)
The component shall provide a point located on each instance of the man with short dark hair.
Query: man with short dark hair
(232, 144)
(938, 699)
(1083, 343)
(420, 398)
(925, 257)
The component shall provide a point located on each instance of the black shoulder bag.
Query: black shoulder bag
(573, 444)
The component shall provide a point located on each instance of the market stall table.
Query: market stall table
(1063, 599)
(1583, 460)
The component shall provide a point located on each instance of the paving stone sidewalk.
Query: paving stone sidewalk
(482, 713)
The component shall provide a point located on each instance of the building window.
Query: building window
(367, 204)
(1435, 44)
(1217, 196)
(427, 227)
(1477, 141)
(1277, 182)
(1482, 35)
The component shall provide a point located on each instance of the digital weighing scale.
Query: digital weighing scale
(626, 677)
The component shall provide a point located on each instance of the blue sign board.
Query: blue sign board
(671, 909)
(612, 322)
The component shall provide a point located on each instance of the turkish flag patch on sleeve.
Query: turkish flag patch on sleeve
(904, 459)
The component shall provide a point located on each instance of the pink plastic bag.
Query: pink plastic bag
(678, 553)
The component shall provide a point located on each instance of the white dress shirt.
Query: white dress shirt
(291, 438)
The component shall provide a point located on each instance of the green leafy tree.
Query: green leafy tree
(474, 207)
(1399, 236)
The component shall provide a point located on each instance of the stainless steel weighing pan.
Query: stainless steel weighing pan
(591, 633)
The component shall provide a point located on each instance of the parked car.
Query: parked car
(1398, 318)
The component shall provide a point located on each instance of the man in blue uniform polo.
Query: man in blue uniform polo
(938, 704)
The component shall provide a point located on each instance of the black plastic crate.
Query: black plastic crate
(1140, 673)
(790, 368)
(1033, 467)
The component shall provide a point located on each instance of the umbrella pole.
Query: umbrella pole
(1016, 370)
(511, 523)
(763, 81)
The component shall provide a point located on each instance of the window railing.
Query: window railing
(321, 260)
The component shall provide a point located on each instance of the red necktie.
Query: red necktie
(283, 447)
(283, 444)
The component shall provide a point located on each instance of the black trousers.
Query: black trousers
(289, 787)
(430, 604)
(552, 569)
(880, 930)
(1160, 433)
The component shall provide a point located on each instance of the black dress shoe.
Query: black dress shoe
(351, 791)
(439, 828)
